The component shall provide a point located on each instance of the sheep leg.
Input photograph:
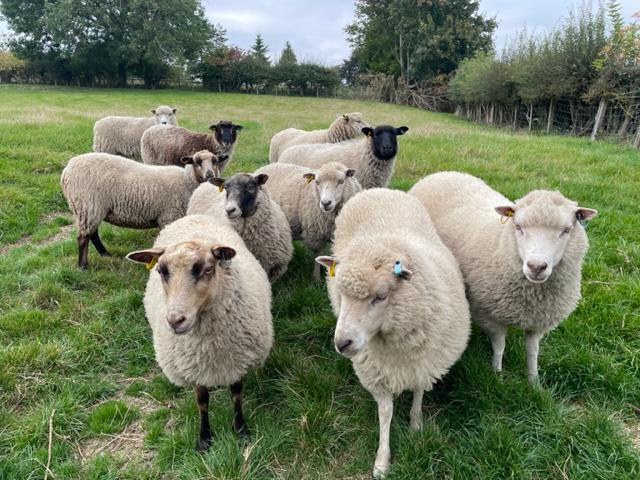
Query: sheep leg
(383, 457)
(498, 335)
(83, 251)
(202, 398)
(239, 424)
(531, 344)
(95, 239)
(415, 416)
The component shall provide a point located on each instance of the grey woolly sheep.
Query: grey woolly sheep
(121, 135)
(523, 270)
(167, 144)
(344, 127)
(398, 293)
(208, 303)
(311, 199)
(123, 192)
(249, 209)
(372, 157)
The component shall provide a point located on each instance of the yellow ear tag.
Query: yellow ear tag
(332, 269)
(504, 219)
(150, 264)
(221, 188)
(309, 178)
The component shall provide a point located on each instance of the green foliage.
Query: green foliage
(288, 56)
(76, 340)
(108, 40)
(417, 40)
(111, 417)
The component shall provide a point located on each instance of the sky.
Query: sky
(316, 28)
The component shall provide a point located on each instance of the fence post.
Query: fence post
(636, 142)
(551, 112)
(602, 108)
(530, 116)
(515, 116)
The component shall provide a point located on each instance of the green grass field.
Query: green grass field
(76, 352)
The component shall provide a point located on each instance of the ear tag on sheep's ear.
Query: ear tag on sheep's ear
(332, 269)
(397, 268)
(505, 219)
(221, 188)
(151, 263)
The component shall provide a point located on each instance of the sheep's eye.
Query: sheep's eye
(196, 269)
(517, 227)
(199, 162)
(163, 271)
(340, 182)
(566, 231)
(378, 299)
(208, 270)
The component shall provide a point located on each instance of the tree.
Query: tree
(288, 56)
(417, 39)
(259, 50)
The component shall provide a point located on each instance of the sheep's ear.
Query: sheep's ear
(174, 110)
(238, 127)
(350, 172)
(309, 177)
(223, 254)
(218, 182)
(506, 210)
(214, 127)
(583, 214)
(329, 262)
(186, 160)
(368, 131)
(148, 257)
(153, 110)
(402, 130)
(222, 158)
(262, 178)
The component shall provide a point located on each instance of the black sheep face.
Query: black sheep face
(384, 139)
(242, 193)
(226, 132)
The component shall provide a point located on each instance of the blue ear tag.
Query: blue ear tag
(397, 268)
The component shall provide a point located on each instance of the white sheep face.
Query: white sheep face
(329, 183)
(164, 115)
(354, 122)
(543, 223)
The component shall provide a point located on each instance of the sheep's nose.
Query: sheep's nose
(537, 268)
(231, 210)
(342, 345)
(164, 122)
(326, 204)
(176, 322)
(208, 175)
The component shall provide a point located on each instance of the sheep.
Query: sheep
(398, 293)
(208, 303)
(373, 157)
(344, 127)
(524, 272)
(249, 209)
(311, 199)
(167, 144)
(121, 135)
(123, 192)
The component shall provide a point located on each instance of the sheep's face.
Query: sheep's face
(164, 115)
(543, 224)
(206, 165)
(190, 272)
(366, 297)
(384, 140)
(329, 184)
(226, 133)
(243, 193)
(353, 121)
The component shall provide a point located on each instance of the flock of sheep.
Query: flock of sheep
(407, 271)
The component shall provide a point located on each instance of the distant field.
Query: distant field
(75, 346)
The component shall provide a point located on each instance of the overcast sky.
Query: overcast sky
(316, 28)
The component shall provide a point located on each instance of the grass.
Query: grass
(77, 343)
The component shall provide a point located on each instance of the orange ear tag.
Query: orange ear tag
(332, 269)
(150, 264)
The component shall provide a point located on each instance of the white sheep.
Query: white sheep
(311, 199)
(373, 157)
(123, 192)
(344, 127)
(398, 293)
(121, 135)
(167, 144)
(521, 270)
(247, 206)
(208, 303)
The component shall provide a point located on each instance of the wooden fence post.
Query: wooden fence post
(602, 108)
(515, 116)
(551, 112)
(636, 142)
(530, 116)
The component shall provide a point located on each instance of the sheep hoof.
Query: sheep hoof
(105, 254)
(379, 472)
(534, 381)
(243, 434)
(203, 445)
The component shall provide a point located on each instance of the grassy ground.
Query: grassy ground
(76, 354)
